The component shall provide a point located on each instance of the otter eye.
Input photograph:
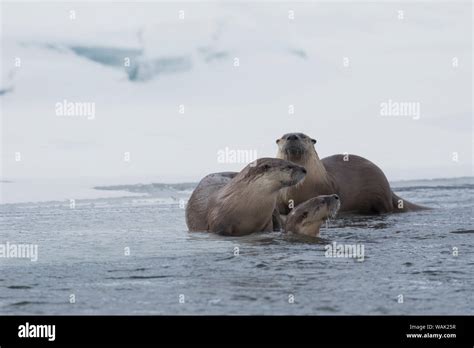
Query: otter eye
(266, 167)
(305, 215)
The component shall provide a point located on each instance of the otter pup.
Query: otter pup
(361, 185)
(308, 217)
(237, 204)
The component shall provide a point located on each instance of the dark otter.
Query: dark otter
(361, 185)
(237, 204)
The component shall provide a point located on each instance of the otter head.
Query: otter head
(272, 173)
(307, 217)
(295, 147)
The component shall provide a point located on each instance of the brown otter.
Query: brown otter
(237, 204)
(308, 217)
(361, 185)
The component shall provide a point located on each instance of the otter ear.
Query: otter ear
(313, 141)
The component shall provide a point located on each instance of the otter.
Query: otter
(361, 186)
(308, 217)
(236, 204)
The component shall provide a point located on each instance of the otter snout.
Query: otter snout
(334, 203)
(292, 137)
(331, 198)
(297, 174)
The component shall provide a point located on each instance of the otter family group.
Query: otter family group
(296, 192)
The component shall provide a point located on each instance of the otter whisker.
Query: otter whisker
(299, 184)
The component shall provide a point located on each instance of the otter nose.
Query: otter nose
(329, 198)
(292, 137)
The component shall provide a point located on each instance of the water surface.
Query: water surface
(82, 251)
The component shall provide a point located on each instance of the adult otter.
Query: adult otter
(237, 204)
(360, 184)
(308, 217)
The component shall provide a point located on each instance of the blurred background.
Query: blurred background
(172, 84)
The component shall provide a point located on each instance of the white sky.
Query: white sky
(243, 107)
